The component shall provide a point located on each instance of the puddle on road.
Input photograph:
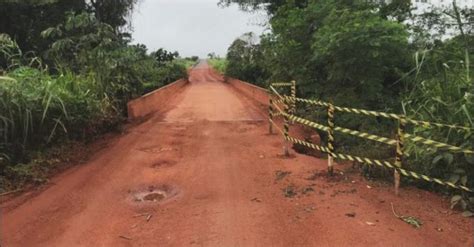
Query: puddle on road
(154, 194)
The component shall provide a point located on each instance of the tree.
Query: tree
(163, 56)
(245, 60)
(212, 55)
(24, 20)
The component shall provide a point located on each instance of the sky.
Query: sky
(191, 27)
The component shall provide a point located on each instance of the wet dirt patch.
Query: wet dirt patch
(163, 164)
(153, 194)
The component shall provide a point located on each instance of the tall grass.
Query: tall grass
(442, 90)
(36, 109)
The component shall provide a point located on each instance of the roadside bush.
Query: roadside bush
(219, 64)
(167, 73)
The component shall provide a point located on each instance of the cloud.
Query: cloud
(191, 27)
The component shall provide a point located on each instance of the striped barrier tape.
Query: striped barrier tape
(365, 135)
(377, 138)
(280, 101)
(274, 91)
(436, 144)
(277, 114)
(382, 114)
(339, 129)
(430, 124)
(402, 121)
(312, 102)
(281, 84)
(308, 144)
(402, 171)
(394, 116)
(301, 120)
(381, 163)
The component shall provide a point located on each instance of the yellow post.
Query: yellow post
(330, 139)
(399, 154)
(293, 97)
(270, 114)
(286, 129)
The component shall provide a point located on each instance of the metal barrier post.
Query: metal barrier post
(330, 139)
(399, 153)
(270, 115)
(286, 129)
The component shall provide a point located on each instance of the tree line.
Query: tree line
(377, 56)
(67, 70)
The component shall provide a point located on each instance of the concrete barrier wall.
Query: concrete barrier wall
(153, 101)
(257, 93)
(260, 95)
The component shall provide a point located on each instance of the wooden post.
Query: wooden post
(286, 129)
(293, 97)
(399, 154)
(330, 139)
(270, 115)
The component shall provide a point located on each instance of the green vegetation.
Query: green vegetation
(373, 56)
(219, 64)
(72, 83)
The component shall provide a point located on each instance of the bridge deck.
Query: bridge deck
(211, 157)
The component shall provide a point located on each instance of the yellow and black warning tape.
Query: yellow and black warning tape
(308, 144)
(301, 120)
(280, 101)
(365, 135)
(430, 124)
(381, 163)
(437, 144)
(281, 84)
(286, 100)
(275, 92)
(277, 114)
(308, 101)
(376, 138)
(382, 114)
(401, 170)
(339, 129)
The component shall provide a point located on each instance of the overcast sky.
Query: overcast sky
(191, 27)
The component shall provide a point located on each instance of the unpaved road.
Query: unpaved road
(212, 156)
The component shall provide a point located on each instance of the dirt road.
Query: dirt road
(206, 173)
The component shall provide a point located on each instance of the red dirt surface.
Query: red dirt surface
(211, 167)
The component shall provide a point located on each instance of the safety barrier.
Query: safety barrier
(285, 105)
